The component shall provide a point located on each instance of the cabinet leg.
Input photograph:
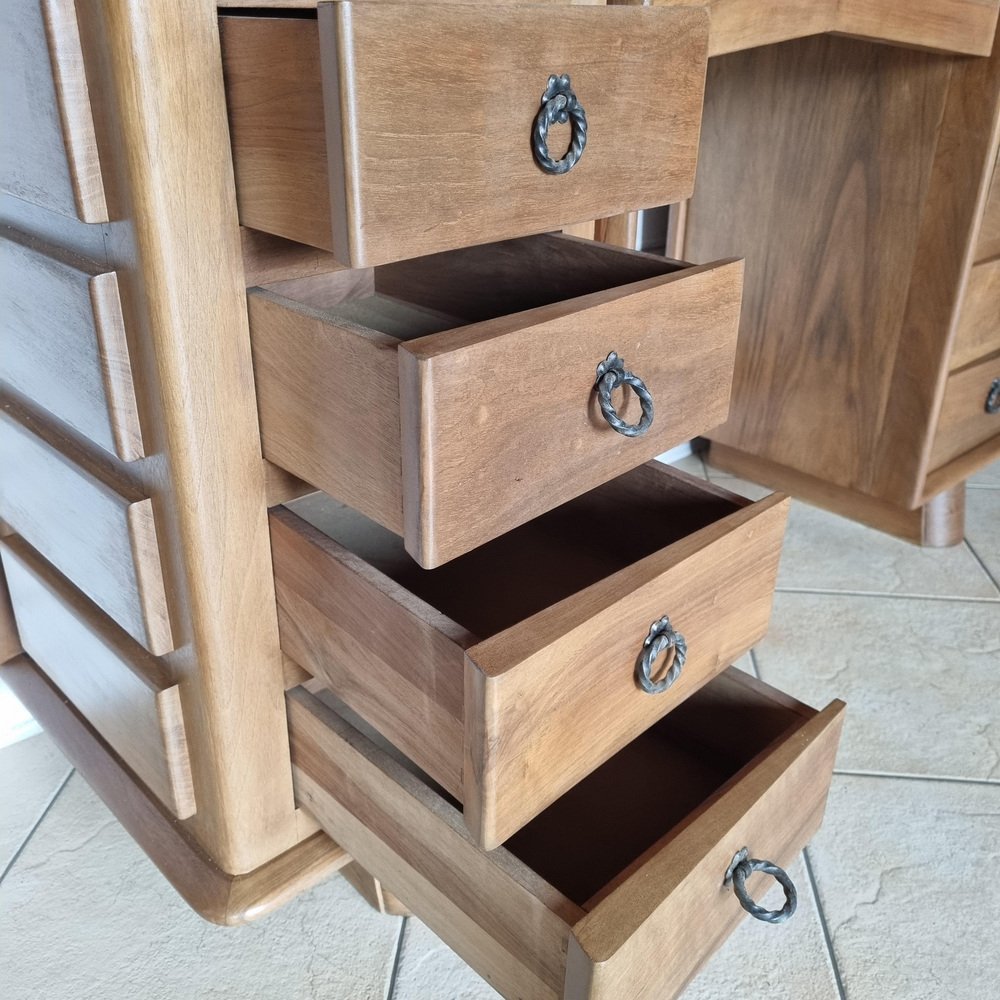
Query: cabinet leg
(940, 522)
(372, 891)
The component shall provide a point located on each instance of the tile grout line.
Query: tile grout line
(891, 596)
(824, 926)
(390, 989)
(899, 776)
(982, 565)
(34, 826)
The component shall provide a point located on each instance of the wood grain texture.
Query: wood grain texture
(509, 674)
(978, 330)
(989, 232)
(156, 76)
(963, 26)
(372, 891)
(955, 473)
(512, 923)
(127, 695)
(464, 172)
(964, 423)
(213, 893)
(54, 160)
(63, 342)
(938, 521)
(10, 642)
(100, 533)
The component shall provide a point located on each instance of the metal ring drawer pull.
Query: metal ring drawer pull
(662, 636)
(742, 867)
(611, 374)
(559, 105)
(993, 397)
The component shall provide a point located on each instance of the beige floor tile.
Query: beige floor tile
(430, 970)
(825, 552)
(914, 674)
(990, 476)
(84, 914)
(905, 873)
(982, 527)
(30, 774)
(790, 958)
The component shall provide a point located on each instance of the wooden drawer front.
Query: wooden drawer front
(989, 233)
(965, 422)
(63, 343)
(417, 392)
(386, 130)
(638, 902)
(510, 673)
(978, 331)
(127, 695)
(102, 537)
(49, 152)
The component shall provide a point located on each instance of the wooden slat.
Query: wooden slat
(214, 894)
(479, 428)
(10, 643)
(53, 160)
(126, 694)
(540, 695)
(63, 342)
(103, 537)
(964, 423)
(978, 330)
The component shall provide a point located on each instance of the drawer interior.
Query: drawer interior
(538, 564)
(428, 295)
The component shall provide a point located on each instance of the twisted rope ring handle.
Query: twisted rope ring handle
(611, 374)
(741, 868)
(993, 397)
(662, 636)
(559, 105)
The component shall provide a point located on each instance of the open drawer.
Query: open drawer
(383, 131)
(420, 391)
(515, 670)
(617, 890)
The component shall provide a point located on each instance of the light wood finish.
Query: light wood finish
(126, 694)
(156, 75)
(268, 258)
(989, 232)
(851, 294)
(496, 412)
(372, 891)
(964, 423)
(962, 26)
(959, 469)
(978, 331)
(213, 893)
(10, 642)
(63, 342)
(509, 674)
(317, 146)
(49, 153)
(938, 522)
(639, 902)
(99, 532)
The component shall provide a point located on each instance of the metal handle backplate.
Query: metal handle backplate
(559, 106)
(611, 375)
(741, 868)
(993, 397)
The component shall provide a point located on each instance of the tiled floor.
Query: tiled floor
(898, 892)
